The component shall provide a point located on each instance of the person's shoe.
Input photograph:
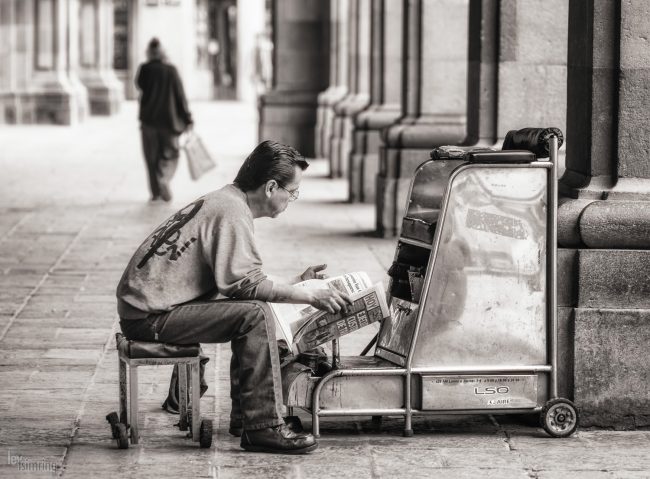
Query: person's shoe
(279, 439)
(170, 408)
(293, 422)
(165, 192)
(236, 429)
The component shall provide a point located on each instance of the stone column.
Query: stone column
(358, 96)
(72, 67)
(482, 76)
(300, 65)
(337, 88)
(434, 100)
(105, 91)
(385, 91)
(532, 64)
(604, 217)
(37, 87)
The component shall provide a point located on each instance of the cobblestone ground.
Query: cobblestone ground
(73, 206)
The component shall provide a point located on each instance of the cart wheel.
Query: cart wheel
(113, 419)
(559, 417)
(205, 433)
(122, 436)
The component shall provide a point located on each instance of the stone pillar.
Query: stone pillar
(72, 67)
(36, 87)
(358, 96)
(338, 87)
(482, 76)
(385, 91)
(532, 64)
(105, 91)
(434, 100)
(604, 219)
(300, 65)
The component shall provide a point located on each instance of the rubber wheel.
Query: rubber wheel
(559, 417)
(205, 433)
(122, 436)
(113, 420)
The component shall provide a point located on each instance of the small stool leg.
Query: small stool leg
(133, 387)
(182, 396)
(124, 419)
(195, 375)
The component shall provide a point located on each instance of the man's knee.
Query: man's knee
(260, 311)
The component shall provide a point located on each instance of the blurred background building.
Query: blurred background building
(372, 86)
(64, 59)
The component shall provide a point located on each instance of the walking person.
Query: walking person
(198, 279)
(164, 115)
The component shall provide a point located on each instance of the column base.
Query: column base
(289, 118)
(105, 92)
(611, 367)
(341, 139)
(364, 160)
(53, 108)
(392, 187)
(325, 114)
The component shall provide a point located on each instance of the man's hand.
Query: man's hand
(329, 300)
(314, 272)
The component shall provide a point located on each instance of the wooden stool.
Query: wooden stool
(141, 353)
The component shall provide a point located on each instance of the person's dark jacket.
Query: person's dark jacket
(162, 101)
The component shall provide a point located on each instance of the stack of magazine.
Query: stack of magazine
(304, 327)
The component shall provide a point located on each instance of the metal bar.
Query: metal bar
(369, 346)
(363, 412)
(552, 261)
(133, 404)
(421, 244)
(124, 415)
(195, 376)
(182, 396)
(483, 369)
(336, 354)
(160, 361)
(422, 412)
(315, 397)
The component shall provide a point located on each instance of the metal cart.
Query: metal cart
(473, 297)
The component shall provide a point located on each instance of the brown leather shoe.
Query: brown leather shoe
(279, 439)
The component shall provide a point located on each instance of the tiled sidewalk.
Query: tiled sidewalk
(72, 210)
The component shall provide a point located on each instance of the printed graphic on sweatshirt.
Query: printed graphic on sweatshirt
(165, 239)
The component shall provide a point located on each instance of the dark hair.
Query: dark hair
(154, 43)
(269, 160)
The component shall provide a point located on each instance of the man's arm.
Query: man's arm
(326, 299)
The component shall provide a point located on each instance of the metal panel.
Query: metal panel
(479, 392)
(485, 298)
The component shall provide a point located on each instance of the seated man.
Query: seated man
(198, 279)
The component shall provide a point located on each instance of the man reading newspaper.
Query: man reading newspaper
(303, 327)
(198, 279)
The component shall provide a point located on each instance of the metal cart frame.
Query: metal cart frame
(559, 416)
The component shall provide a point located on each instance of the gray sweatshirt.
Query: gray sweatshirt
(204, 251)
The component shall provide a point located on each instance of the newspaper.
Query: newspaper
(304, 327)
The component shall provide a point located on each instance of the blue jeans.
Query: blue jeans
(256, 385)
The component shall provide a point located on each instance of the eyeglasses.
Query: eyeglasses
(293, 194)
